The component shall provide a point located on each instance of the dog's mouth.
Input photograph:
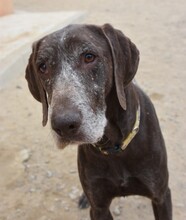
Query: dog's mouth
(79, 139)
(63, 141)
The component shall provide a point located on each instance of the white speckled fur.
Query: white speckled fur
(68, 85)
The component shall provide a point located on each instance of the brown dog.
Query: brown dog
(83, 74)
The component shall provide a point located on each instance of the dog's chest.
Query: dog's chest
(117, 181)
(123, 182)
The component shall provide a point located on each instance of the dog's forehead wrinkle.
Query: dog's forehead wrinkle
(48, 52)
(76, 40)
(65, 34)
(71, 45)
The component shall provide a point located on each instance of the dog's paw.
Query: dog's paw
(83, 202)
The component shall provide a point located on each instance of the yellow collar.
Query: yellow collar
(126, 142)
(134, 131)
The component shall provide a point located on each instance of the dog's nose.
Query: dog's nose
(67, 124)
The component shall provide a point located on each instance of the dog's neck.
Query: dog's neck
(120, 122)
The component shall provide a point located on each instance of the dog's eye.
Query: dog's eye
(43, 68)
(89, 58)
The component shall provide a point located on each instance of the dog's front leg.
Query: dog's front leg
(96, 184)
(100, 214)
(163, 210)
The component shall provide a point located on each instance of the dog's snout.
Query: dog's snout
(66, 124)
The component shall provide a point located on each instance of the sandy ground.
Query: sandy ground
(39, 182)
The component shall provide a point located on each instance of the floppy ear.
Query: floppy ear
(35, 85)
(125, 57)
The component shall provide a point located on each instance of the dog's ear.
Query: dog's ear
(34, 83)
(125, 57)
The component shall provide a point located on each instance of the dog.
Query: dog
(83, 76)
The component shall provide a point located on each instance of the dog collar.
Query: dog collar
(127, 140)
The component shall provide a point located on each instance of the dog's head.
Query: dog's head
(72, 71)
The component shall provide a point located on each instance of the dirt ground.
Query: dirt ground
(40, 182)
